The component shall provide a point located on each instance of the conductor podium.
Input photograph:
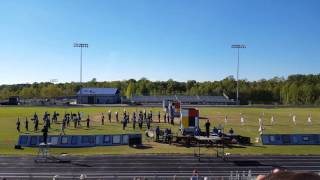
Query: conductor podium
(209, 140)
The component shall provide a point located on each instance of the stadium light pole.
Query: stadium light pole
(238, 46)
(80, 45)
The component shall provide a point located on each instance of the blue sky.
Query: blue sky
(157, 39)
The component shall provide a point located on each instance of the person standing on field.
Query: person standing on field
(45, 134)
(207, 128)
(102, 119)
(36, 124)
(26, 124)
(18, 125)
(117, 117)
(159, 116)
(272, 120)
(63, 126)
(88, 122)
(109, 116)
(294, 119)
(309, 119)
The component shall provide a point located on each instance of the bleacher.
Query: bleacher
(215, 99)
(209, 100)
(151, 99)
(189, 99)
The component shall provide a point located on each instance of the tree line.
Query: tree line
(293, 90)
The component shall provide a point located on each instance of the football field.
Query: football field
(282, 124)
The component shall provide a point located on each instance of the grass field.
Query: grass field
(283, 124)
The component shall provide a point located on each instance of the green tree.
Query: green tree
(130, 90)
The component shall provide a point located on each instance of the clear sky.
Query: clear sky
(157, 39)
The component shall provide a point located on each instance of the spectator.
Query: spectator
(195, 175)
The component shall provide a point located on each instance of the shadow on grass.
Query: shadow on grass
(231, 146)
(142, 147)
(243, 146)
(257, 146)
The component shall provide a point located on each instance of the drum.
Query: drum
(150, 134)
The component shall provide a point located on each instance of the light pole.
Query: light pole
(80, 45)
(238, 46)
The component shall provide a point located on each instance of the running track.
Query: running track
(152, 166)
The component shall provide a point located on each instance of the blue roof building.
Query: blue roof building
(98, 96)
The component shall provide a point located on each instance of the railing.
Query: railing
(234, 175)
(243, 175)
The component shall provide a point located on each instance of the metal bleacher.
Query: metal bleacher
(217, 100)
